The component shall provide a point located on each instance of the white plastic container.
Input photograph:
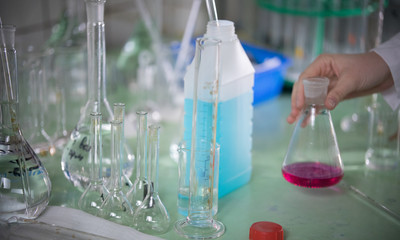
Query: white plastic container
(235, 110)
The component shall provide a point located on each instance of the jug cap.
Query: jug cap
(221, 29)
(266, 231)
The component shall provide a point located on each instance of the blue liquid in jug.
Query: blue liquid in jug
(234, 130)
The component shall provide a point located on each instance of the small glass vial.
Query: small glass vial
(313, 159)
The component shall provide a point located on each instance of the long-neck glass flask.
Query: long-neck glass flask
(137, 193)
(25, 185)
(95, 193)
(151, 216)
(76, 150)
(313, 159)
(116, 206)
(119, 115)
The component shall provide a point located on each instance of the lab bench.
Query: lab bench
(364, 205)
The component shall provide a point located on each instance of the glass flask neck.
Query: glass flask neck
(8, 76)
(141, 153)
(116, 151)
(95, 154)
(153, 156)
(96, 52)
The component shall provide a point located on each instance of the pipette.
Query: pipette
(212, 10)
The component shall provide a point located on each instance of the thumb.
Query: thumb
(338, 93)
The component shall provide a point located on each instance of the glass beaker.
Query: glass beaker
(76, 148)
(25, 185)
(313, 159)
(116, 206)
(151, 216)
(93, 197)
(383, 136)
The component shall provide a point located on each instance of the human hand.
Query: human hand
(350, 75)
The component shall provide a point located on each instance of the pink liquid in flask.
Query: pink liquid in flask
(312, 174)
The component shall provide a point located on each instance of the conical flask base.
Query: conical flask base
(312, 174)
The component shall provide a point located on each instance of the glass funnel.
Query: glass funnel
(93, 197)
(151, 216)
(25, 185)
(76, 149)
(313, 159)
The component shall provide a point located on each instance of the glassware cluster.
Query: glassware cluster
(141, 206)
(76, 151)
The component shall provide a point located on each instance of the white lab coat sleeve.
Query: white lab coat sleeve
(390, 53)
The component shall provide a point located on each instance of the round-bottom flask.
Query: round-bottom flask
(313, 159)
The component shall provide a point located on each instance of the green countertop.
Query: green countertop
(364, 205)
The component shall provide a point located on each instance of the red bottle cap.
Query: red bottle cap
(266, 231)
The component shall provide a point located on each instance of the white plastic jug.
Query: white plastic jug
(235, 109)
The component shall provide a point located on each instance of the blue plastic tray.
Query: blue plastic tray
(270, 71)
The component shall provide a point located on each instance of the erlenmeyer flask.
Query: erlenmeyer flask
(137, 193)
(25, 185)
(116, 206)
(313, 159)
(95, 193)
(76, 149)
(151, 216)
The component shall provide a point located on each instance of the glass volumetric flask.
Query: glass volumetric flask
(76, 150)
(151, 216)
(119, 115)
(138, 191)
(383, 136)
(95, 193)
(116, 206)
(24, 182)
(313, 159)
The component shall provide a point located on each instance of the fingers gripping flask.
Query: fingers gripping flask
(313, 159)
(24, 183)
